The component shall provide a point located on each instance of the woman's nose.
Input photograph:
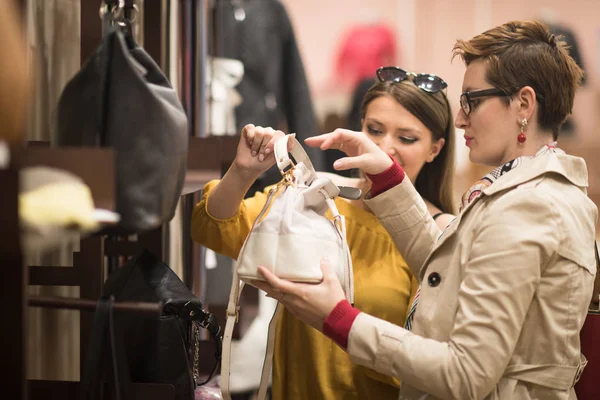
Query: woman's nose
(461, 121)
(387, 145)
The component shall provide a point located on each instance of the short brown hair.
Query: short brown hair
(435, 180)
(526, 53)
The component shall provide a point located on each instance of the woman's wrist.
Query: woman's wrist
(387, 179)
(241, 175)
(339, 322)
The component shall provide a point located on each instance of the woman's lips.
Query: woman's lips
(468, 140)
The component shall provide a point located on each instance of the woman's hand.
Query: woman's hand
(310, 303)
(362, 152)
(255, 150)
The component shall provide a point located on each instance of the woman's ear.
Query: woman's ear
(526, 103)
(436, 147)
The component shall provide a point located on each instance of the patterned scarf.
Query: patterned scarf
(474, 193)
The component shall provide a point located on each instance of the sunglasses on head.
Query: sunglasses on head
(427, 82)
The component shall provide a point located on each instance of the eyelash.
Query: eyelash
(407, 140)
(373, 131)
(376, 132)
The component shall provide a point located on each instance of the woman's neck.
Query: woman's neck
(530, 148)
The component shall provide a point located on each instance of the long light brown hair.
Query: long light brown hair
(435, 180)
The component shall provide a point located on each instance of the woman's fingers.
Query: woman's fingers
(270, 145)
(264, 286)
(259, 134)
(248, 134)
(346, 163)
(342, 139)
(276, 283)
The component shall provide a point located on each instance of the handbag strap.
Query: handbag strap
(109, 26)
(268, 362)
(95, 365)
(233, 309)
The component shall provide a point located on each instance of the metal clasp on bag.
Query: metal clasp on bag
(288, 175)
(120, 13)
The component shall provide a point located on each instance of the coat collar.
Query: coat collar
(570, 167)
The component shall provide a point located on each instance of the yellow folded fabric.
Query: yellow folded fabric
(59, 204)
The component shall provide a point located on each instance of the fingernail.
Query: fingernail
(267, 151)
(250, 142)
(261, 157)
(337, 164)
(253, 153)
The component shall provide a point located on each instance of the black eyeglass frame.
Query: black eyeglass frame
(419, 80)
(493, 92)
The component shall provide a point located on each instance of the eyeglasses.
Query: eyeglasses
(466, 99)
(427, 82)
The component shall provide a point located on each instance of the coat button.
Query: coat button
(434, 279)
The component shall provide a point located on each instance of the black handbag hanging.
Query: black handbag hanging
(120, 99)
(163, 350)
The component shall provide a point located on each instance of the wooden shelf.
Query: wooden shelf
(95, 166)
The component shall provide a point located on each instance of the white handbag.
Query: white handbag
(289, 237)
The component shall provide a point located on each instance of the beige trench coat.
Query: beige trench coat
(505, 289)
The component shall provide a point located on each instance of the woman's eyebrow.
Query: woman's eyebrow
(371, 119)
(408, 130)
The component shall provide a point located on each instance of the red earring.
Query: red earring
(522, 138)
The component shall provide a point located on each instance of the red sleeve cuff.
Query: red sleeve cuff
(389, 178)
(338, 323)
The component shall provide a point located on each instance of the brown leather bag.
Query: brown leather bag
(588, 387)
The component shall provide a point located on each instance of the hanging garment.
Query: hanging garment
(223, 74)
(274, 88)
(363, 49)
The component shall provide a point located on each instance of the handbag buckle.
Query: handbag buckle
(288, 174)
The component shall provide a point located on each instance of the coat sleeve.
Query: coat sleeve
(516, 239)
(404, 215)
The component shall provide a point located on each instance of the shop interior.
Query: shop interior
(229, 63)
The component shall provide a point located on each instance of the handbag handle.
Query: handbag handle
(283, 160)
(110, 24)
(595, 303)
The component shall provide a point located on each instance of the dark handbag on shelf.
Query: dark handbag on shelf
(167, 349)
(588, 386)
(120, 99)
(105, 359)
